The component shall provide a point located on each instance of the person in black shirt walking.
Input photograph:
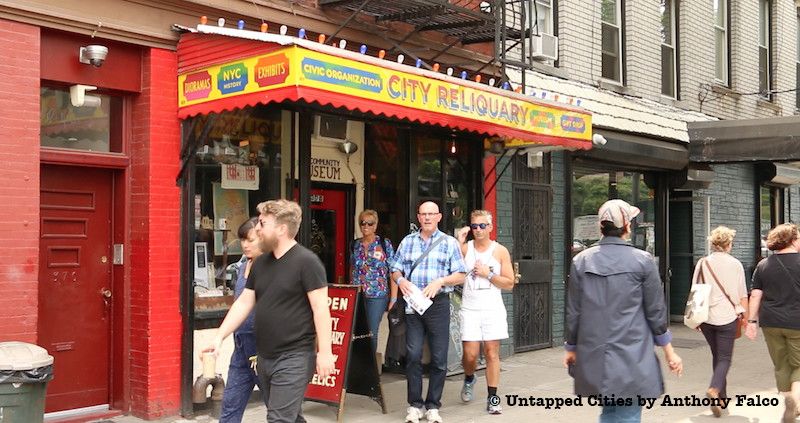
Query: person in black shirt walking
(775, 306)
(288, 289)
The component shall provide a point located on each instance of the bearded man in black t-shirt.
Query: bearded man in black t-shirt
(287, 287)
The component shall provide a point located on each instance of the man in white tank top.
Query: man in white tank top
(483, 314)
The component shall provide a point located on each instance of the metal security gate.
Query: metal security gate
(532, 198)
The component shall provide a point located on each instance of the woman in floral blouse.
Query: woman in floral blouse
(370, 261)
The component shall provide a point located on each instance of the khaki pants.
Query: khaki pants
(784, 349)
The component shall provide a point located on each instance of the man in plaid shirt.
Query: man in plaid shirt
(435, 275)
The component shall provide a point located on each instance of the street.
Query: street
(539, 374)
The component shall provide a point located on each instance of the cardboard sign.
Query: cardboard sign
(355, 369)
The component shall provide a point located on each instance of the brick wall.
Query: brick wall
(579, 39)
(155, 235)
(505, 232)
(643, 47)
(558, 293)
(792, 204)
(579, 53)
(784, 54)
(732, 203)
(697, 59)
(19, 141)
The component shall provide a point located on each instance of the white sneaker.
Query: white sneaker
(413, 414)
(433, 416)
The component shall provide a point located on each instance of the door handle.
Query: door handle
(106, 294)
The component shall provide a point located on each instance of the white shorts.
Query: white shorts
(483, 325)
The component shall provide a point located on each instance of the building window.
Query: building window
(544, 17)
(721, 40)
(669, 69)
(445, 173)
(93, 126)
(764, 49)
(611, 22)
(592, 186)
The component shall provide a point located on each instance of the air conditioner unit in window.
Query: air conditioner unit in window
(544, 46)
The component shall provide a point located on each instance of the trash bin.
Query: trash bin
(25, 370)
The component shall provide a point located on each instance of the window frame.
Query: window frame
(673, 6)
(620, 27)
(725, 71)
(550, 16)
(765, 85)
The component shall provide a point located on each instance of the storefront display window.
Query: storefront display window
(236, 167)
(592, 187)
(386, 158)
(445, 174)
(94, 126)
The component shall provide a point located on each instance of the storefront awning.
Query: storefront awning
(226, 69)
(748, 140)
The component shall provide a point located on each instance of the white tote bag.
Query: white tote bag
(697, 304)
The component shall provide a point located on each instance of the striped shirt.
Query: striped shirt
(444, 260)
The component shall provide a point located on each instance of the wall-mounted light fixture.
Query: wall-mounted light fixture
(93, 54)
(347, 147)
(78, 97)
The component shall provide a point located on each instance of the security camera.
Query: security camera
(94, 55)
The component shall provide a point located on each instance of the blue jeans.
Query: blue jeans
(375, 309)
(435, 323)
(621, 413)
(241, 378)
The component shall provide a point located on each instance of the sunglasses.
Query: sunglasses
(479, 225)
(367, 223)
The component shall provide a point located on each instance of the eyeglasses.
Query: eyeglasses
(479, 225)
(367, 223)
(429, 214)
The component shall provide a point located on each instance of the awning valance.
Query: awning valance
(271, 68)
(746, 140)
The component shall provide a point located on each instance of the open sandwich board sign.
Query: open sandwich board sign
(356, 370)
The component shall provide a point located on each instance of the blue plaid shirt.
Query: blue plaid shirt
(444, 260)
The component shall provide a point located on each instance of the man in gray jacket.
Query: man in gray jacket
(615, 315)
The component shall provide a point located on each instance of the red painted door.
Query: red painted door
(328, 225)
(75, 284)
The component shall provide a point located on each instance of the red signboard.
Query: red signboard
(355, 370)
(342, 303)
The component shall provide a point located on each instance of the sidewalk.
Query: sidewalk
(541, 375)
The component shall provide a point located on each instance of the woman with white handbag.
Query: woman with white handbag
(727, 304)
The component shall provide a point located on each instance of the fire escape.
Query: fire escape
(507, 24)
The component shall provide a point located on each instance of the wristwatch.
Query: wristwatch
(490, 276)
(752, 321)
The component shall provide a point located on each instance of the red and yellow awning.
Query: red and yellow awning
(277, 68)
